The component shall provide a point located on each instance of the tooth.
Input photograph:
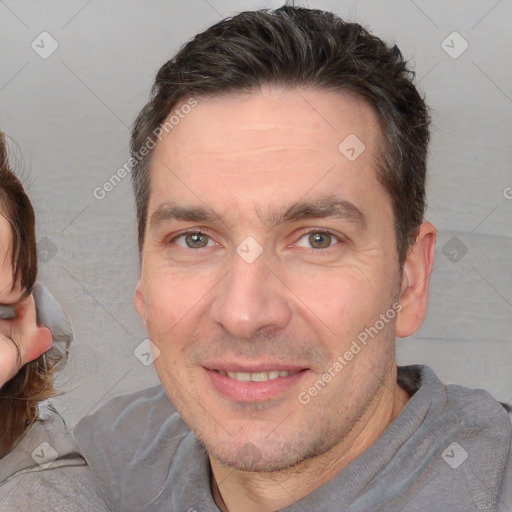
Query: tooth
(256, 376)
(259, 376)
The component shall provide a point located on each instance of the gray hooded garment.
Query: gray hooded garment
(23, 476)
(141, 457)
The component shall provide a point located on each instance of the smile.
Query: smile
(256, 376)
(255, 384)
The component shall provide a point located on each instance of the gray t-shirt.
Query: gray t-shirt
(446, 451)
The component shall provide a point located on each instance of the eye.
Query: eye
(318, 240)
(194, 240)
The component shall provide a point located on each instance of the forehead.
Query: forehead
(245, 147)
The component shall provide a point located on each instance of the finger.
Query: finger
(11, 356)
(10, 359)
(40, 341)
(31, 339)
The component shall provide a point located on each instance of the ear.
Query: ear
(140, 302)
(416, 281)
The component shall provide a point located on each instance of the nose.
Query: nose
(251, 298)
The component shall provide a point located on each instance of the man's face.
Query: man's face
(263, 172)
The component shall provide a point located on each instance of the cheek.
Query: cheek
(343, 301)
(169, 297)
(175, 305)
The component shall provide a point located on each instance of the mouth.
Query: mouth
(253, 384)
(257, 376)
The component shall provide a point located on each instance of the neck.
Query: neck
(239, 491)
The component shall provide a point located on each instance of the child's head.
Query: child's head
(18, 271)
(16, 213)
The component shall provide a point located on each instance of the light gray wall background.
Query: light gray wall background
(70, 114)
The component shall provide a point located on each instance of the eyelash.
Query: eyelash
(338, 238)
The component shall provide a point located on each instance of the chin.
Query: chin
(255, 463)
(263, 457)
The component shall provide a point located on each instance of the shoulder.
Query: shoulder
(45, 472)
(47, 443)
(473, 406)
(65, 488)
(130, 444)
(132, 417)
(488, 423)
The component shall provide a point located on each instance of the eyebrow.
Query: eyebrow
(325, 207)
(167, 212)
(321, 208)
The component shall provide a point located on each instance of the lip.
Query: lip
(241, 391)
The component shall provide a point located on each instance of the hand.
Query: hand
(21, 339)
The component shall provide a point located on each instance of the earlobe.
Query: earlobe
(415, 282)
(140, 302)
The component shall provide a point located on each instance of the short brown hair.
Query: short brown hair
(295, 46)
(34, 381)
